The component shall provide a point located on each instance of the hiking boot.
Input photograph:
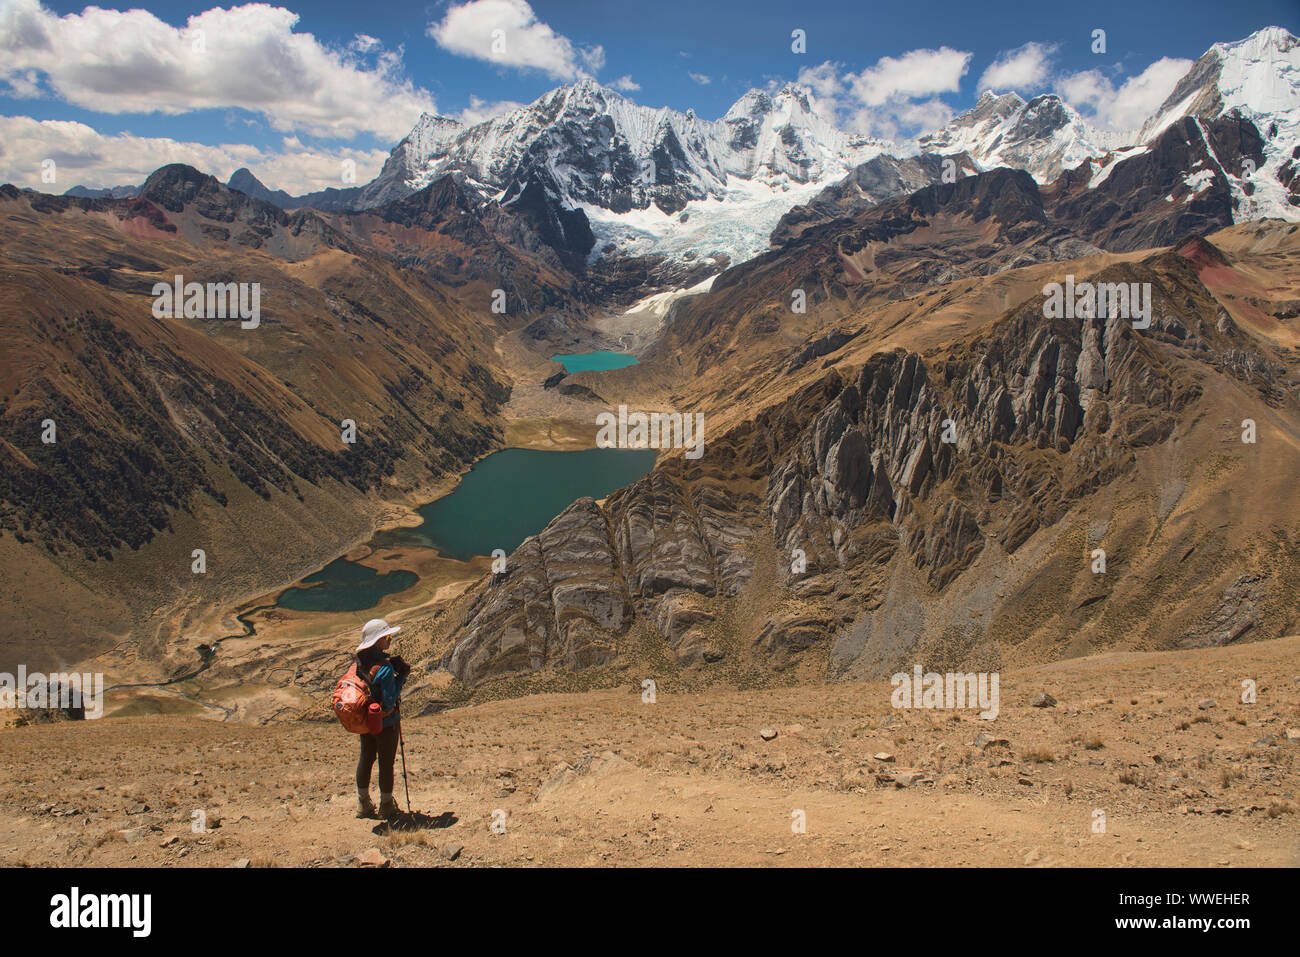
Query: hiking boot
(365, 806)
(388, 807)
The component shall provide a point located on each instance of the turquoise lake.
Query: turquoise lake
(502, 500)
(514, 493)
(595, 361)
(345, 586)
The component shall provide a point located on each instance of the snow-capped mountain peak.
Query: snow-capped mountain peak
(634, 167)
(1043, 136)
(785, 135)
(770, 134)
(1261, 72)
(653, 179)
(1259, 75)
(431, 136)
(1259, 79)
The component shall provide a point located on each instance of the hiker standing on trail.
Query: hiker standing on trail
(385, 676)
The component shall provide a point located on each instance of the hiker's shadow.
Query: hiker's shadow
(415, 821)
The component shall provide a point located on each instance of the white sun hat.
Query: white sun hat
(375, 629)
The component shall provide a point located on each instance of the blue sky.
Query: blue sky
(290, 91)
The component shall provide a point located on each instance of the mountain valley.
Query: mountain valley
(888, 408)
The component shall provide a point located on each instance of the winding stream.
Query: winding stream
(207, 653)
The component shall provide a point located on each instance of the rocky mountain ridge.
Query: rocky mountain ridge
(587, 147)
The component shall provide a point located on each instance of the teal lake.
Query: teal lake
(595, 361)
(502, 500)
(345, 586)
(514, 493)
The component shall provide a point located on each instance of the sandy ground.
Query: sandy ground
(1160, 743)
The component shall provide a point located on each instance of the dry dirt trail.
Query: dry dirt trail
(1160, 743)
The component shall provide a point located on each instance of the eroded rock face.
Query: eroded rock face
(896, 435)
(569, 592)
(559, 596)
(659, 540)
(878, 179)
(678, 617)
(788, 634)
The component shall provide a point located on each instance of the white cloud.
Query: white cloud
(470, 29)
(25, 85)
(298, 170)
(1023, 69)
(1086, 90)
(364, 43)
(626, 84)
(823, 79)
(912, 117)
(700, 78)
(1129, 106)
(248, 57)
(86, 157)
(593, 58)
(916, 73)
(897, 97)
(480, 110)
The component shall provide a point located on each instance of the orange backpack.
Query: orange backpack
(352, 702)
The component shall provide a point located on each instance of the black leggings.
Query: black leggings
(383, 746)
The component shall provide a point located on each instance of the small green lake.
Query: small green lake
(502, 500)
(345, 586)
(595, 361)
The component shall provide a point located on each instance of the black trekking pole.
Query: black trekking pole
(401, 743)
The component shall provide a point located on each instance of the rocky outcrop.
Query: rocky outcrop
(821, 346)
(330, 198)
(578, 391)
(244, 220)
(1236, 614)
(568, 592)
(531, 248)
(559, 591)
(535, 199)
(895, 435)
